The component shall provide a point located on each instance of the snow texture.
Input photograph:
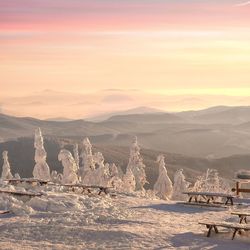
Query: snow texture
(41, 169)
(69, 167)
(6, 173)
(163, 187)
(71, 221)
(136, 166)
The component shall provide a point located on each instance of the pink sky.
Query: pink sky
(167, 47)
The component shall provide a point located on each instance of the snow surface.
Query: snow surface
(60, 220)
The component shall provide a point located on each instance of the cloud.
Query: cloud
(243, 4)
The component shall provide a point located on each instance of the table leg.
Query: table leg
(209, 230)
(235, 231)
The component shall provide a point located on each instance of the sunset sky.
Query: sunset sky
(140, 50)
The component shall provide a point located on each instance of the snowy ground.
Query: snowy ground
(72, 221)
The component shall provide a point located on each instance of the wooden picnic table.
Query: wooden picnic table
(238, 188)
(242, 215)
(87, 188)
(208, 197)
(237, 227)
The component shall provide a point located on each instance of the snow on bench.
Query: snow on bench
(237, 227)
(20, 193)
(4, 211)
(242, 215)
(30, 181)
(209, 196)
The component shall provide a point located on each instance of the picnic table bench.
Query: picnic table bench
(207, 197)
(237, 227)
(4, 211)
(242, 215)
(89, 188)
(20, 193)
(28, 180)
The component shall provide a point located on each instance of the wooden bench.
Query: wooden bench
(19, 193)
(242, 215)
(237, 227)
(29, 181)
(4, 211)
(207, 197)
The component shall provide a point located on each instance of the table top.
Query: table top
(209, 194)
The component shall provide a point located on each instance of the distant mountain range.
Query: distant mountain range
(216, 132)
(135, 111)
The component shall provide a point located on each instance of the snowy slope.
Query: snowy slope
(72, 221)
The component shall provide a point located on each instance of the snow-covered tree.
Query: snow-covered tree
(69, 167)
(115, 180)
(87, 155)
(136, 165)
(101, 172)
(6, 173)
(41, 169)
(17, 176)
(163, 187)
(180, 186)
(129, 183)
(113, 170)
(76, 155)
(86, 171)
(211, 182)
(55, 177)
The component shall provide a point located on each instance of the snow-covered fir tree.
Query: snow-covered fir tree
(76, 155)
(129, 183)
(180, 186)
(41, 169)
(86, 171)
(69, 167)
(211, 182)
(136, 165)
(163, 187)
(115, 180)
(6, 173)
(101, 172)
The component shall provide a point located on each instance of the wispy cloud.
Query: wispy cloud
(243, 4)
